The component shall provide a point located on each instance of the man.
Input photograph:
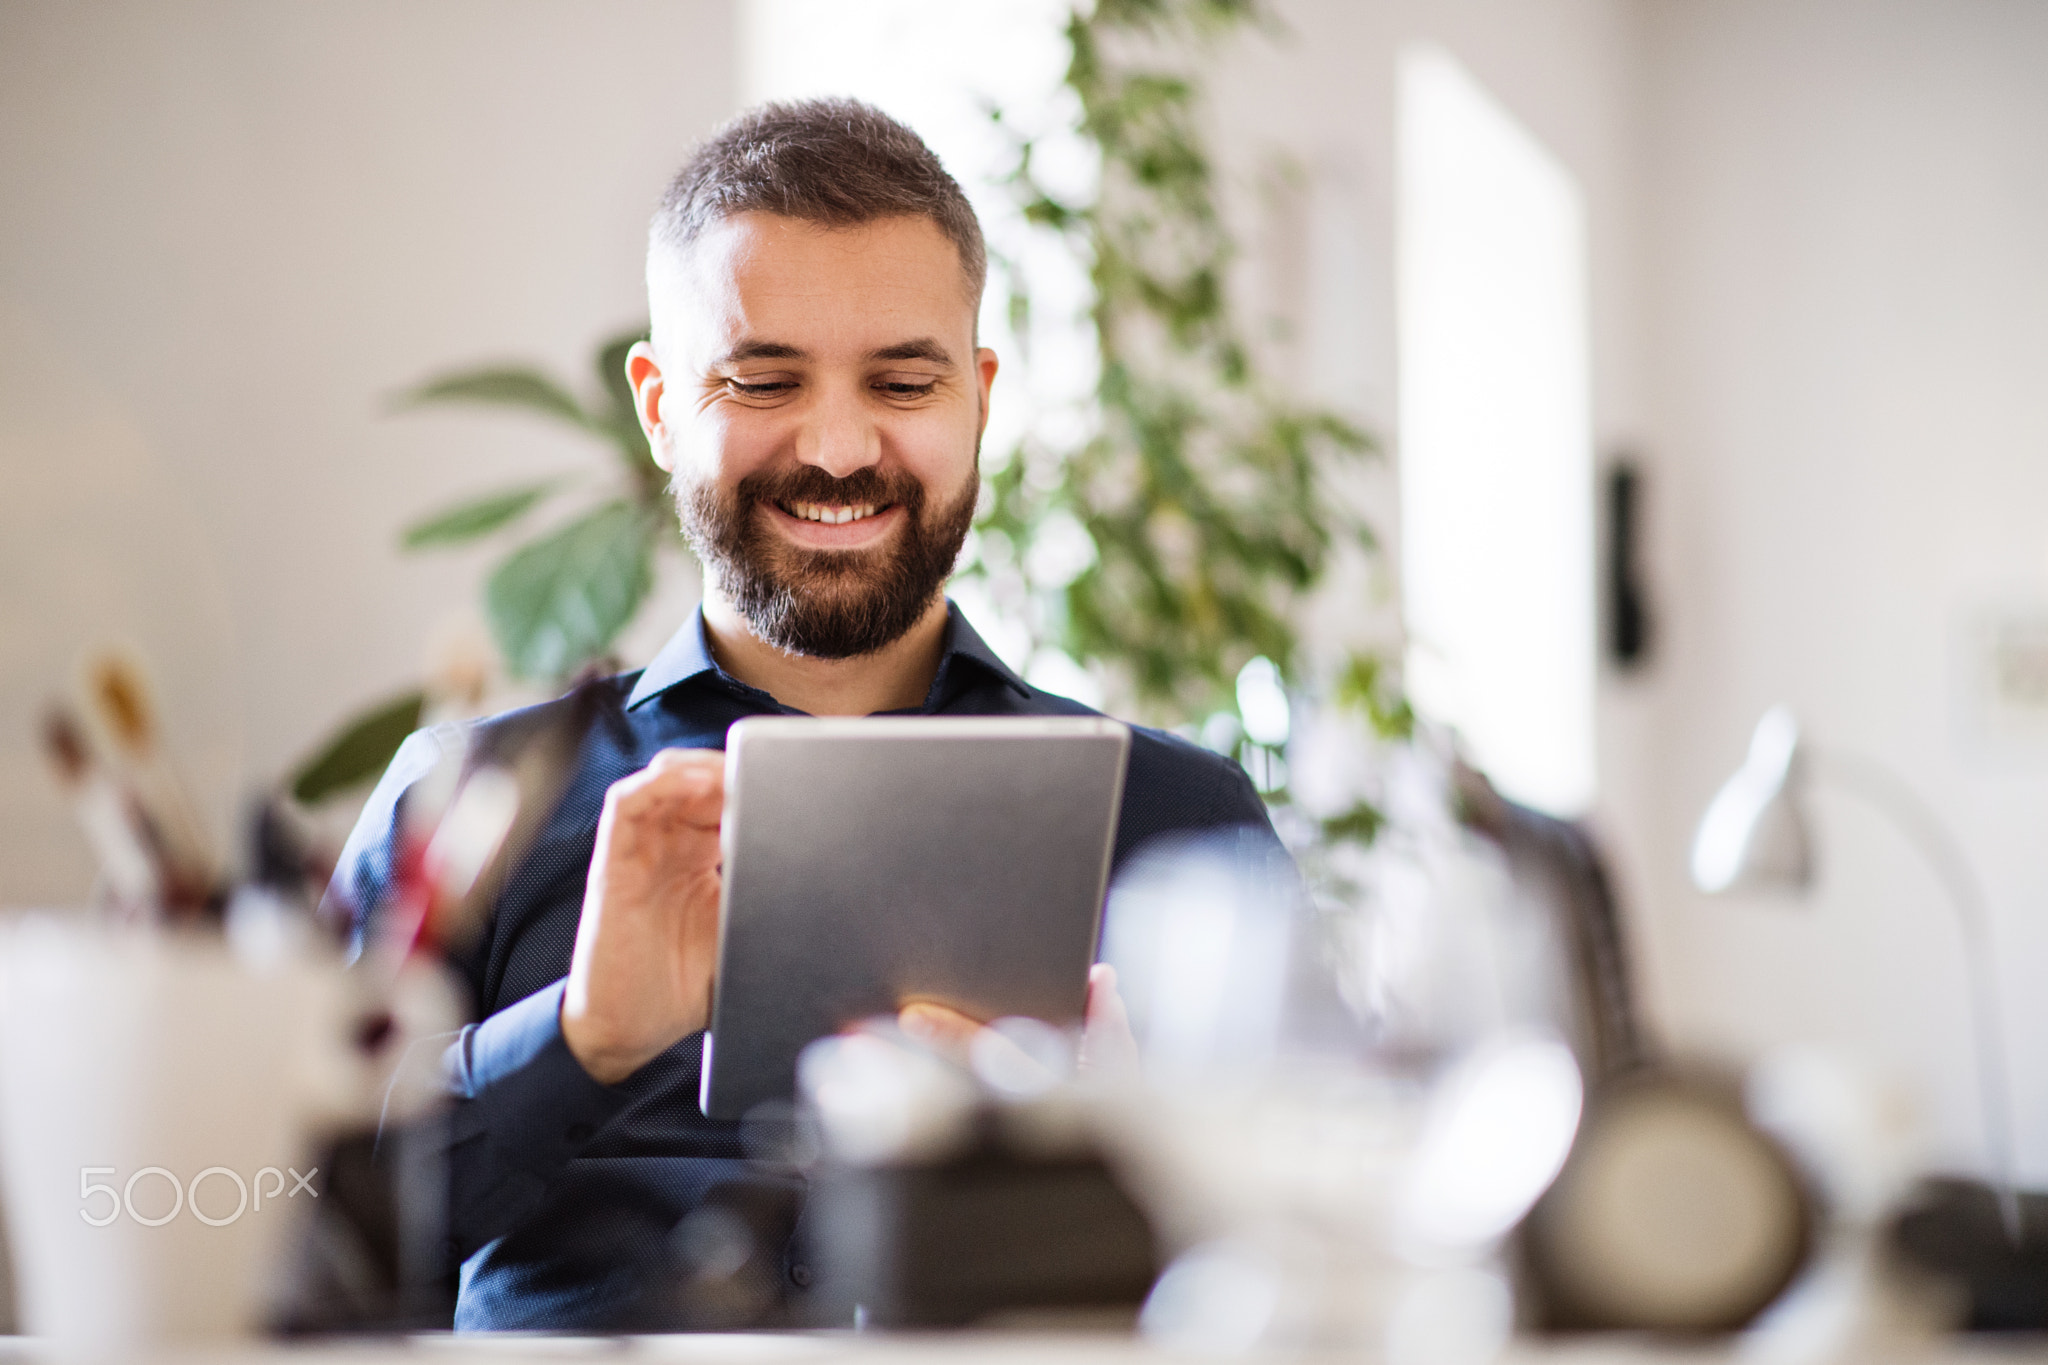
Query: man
(814, 387)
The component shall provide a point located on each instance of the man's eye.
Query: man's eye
(766, 389)
(904, 388)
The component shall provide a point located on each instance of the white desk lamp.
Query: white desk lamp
(1755, 834)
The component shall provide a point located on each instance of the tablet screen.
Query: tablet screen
(872, 862)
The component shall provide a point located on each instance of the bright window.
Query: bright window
(1495, 437)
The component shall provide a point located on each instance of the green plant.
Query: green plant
(1206, 492)
(556, 602)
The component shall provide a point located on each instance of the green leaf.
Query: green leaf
(561, 601)
(1366, 686)
(502, 387)
(472, 519)
(1359, 825)
(360, 750)
(1206, 491)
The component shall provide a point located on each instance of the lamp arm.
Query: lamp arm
(1894, 798)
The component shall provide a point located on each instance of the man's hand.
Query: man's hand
(647, 945)
(1108, 1047)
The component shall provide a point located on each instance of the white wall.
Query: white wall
(1849, 210)
(229, 231)
(1819, 238)
(1320, 96)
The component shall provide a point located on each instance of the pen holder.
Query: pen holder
(159, 1098)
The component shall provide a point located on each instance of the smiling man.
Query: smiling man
(822, 430)
(814, 386)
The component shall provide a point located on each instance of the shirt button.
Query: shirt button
(800, 1275)
(578, 1132)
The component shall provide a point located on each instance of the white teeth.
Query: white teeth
(830, 516)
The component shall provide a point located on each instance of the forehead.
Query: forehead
(765, 277)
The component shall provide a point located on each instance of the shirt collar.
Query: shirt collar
(687, 655)
(963, 642)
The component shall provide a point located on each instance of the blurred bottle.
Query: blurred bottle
(1351, 1096)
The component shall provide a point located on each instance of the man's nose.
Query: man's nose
(838, 436)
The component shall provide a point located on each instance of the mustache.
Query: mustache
(829, 604)
(808, 483)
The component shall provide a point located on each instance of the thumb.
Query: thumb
(1108, 1047)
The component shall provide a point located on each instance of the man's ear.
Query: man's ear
(643, 372)
(985, 378)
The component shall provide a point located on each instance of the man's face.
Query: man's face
(819, 402)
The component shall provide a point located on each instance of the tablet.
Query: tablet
(872, 862)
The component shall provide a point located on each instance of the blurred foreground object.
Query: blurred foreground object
(110, 756)
(1756, 835)
(1346, 1108)
(182, 1034)
(1856, 1137)
(951, 1196)
(1676, 1212)
(131, 869)
(1557, 865)
(159, 1098)
(375, 1259)
(1955, 1229)
(1673, 1214)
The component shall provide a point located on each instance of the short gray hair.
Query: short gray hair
(834, 162)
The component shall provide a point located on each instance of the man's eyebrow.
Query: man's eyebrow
(924, 348)
(760, 350)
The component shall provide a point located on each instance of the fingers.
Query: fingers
(664, 818)
(647, 940)
(1108, 1047)
(1105, 1004)
(993, 1053)
(682, 785)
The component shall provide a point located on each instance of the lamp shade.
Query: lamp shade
(1754, 833)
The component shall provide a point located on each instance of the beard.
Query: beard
(828, 604)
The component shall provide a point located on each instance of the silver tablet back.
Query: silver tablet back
(871, 862)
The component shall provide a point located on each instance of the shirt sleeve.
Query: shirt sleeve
(524, 1107)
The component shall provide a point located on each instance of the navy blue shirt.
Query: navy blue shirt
(565, 1195)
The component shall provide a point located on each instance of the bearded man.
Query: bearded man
(814, 386)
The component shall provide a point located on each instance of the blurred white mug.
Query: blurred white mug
(159, 1099)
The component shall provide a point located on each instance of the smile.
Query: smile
(830, 515)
